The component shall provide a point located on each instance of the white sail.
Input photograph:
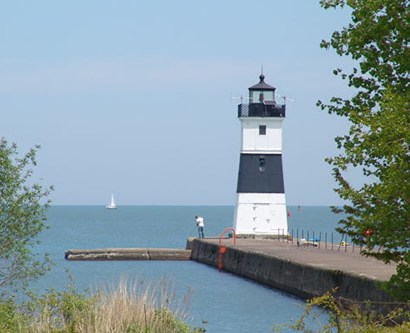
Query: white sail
(112, 204)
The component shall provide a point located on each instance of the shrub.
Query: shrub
(139, 309)
(348, 319)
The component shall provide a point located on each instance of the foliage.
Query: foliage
(173, 323)
(124, 310)
(347, 319)
(378, 141)
(58, 311)
(11, 319)
(22, 218)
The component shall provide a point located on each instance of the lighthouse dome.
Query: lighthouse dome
(262, 85)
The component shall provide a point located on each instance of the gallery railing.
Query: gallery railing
(261, 110)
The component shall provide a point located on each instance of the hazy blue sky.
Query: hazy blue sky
(135, 97)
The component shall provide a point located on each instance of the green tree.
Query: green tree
(378, 141)
(23, 205)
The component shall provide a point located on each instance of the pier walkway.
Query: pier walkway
(305, 271)
(336, 259)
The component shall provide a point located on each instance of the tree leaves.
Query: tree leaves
(22, 217)
(378, 140)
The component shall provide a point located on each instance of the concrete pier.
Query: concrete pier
(302, 271)
(128, 254)
(281, 264)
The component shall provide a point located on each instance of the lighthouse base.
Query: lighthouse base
(261, 214)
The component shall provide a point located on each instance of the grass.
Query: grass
(125, 309)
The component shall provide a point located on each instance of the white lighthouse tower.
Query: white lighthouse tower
(261, 205)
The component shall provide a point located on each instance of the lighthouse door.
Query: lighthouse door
(263, 217)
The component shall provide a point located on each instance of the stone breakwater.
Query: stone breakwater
(301, 271)
(127, 254)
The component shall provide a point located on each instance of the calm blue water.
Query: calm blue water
(228, 303)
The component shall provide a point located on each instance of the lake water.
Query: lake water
(228, 303)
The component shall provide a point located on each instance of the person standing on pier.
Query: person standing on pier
(200, 224)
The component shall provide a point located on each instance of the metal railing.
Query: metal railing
(261, 110)
(327, 240)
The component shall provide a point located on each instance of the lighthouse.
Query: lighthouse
(261, 205)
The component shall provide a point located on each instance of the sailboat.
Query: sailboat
(112, 204)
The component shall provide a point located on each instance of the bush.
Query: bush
(10, 319)
(139, 310)
(348, 319)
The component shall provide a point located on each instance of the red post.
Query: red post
(222, 249)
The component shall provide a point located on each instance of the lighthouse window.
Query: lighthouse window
(262, 163)
(262, 129)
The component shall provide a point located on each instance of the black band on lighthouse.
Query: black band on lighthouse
(260, 173)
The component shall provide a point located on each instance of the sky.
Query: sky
(139, 98)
